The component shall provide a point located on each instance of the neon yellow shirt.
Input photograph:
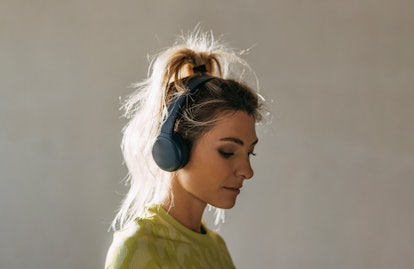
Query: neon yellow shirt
(160, 241)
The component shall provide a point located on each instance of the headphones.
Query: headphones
(170, 151)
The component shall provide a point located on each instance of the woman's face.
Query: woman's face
(220, 162)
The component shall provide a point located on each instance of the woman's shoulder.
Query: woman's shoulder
(131, 245)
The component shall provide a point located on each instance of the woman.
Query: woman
(187, 145)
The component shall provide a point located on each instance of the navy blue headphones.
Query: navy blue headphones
(170, 151)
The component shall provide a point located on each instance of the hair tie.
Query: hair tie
(200, 68)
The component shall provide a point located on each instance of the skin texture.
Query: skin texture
(219, 163)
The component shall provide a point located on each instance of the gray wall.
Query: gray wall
(334, 184)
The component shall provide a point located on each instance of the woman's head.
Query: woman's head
(147, 108)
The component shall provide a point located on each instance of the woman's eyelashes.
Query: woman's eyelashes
(228, 153)
(225, 154)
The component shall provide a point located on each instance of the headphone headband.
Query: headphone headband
(177, 103)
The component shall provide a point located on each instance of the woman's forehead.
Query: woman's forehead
(238, 125)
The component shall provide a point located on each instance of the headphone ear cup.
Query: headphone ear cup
(170, 152)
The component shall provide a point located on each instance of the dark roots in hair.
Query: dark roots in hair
(215, 98)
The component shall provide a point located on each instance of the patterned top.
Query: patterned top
(160, 241)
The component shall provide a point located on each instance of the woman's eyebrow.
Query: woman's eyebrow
(237, 140)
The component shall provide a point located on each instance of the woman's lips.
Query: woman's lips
(235, 190)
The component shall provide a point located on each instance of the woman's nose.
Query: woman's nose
(245, 170)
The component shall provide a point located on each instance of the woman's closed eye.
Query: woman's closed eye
(226, 154)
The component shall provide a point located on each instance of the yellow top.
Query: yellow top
(160, 241)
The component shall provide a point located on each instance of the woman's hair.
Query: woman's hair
(147, 107)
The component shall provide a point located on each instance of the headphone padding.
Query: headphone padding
(170, 152)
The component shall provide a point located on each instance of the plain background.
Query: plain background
(334, 182)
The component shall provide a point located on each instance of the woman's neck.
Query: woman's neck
(184, 207)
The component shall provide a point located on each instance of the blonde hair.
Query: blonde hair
(147, 107)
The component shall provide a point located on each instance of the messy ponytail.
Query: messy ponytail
(147, 107)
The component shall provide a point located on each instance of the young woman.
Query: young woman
(187, 144)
